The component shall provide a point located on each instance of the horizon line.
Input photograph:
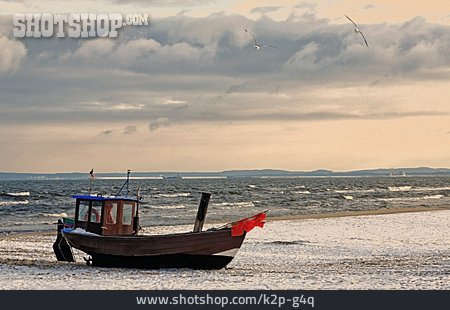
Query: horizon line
(228, 170)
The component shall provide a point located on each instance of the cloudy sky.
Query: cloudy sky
(189, 93)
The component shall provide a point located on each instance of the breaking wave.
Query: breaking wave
(18, 194)
(168, 207)
(406, 199)
(6, 203)
(62, 214)
(344, 191)
(235, 204)
(173, 195)
(399, 188)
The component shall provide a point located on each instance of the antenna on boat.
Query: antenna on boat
(126, 183)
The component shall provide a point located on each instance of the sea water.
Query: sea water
(36, 205)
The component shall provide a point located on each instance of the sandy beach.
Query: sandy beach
(407, 250)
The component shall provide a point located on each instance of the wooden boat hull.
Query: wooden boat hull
(204, 250)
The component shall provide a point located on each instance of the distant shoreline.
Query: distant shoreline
(249, 173)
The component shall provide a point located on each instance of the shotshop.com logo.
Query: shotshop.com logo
(85, 25)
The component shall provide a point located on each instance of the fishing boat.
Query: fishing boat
(107, 229)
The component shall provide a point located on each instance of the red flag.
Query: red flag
(247, 224)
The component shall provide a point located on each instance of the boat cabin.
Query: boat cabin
(107, 216)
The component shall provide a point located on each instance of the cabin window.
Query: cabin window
(96, 211)
(83, 211)
(127, 218)
(111, 212)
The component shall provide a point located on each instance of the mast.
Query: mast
(126, 183)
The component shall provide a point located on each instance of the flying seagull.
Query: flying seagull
(358, 31)
(256, 45)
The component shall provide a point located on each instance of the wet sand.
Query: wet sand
(399, 250)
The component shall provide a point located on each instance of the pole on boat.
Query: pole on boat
(136, 225)
(201, 213)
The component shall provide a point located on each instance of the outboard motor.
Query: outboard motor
(62, 249)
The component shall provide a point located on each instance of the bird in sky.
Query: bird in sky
(358, 31)
(257, 45)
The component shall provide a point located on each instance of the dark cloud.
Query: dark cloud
(307, 5)
(184, 69)
(107, 132)
(12, 55)
(165, 3)
(159, 123)
(369, 7)
(238, 88)
(183, 45)
(129, 130)
(265, 9)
